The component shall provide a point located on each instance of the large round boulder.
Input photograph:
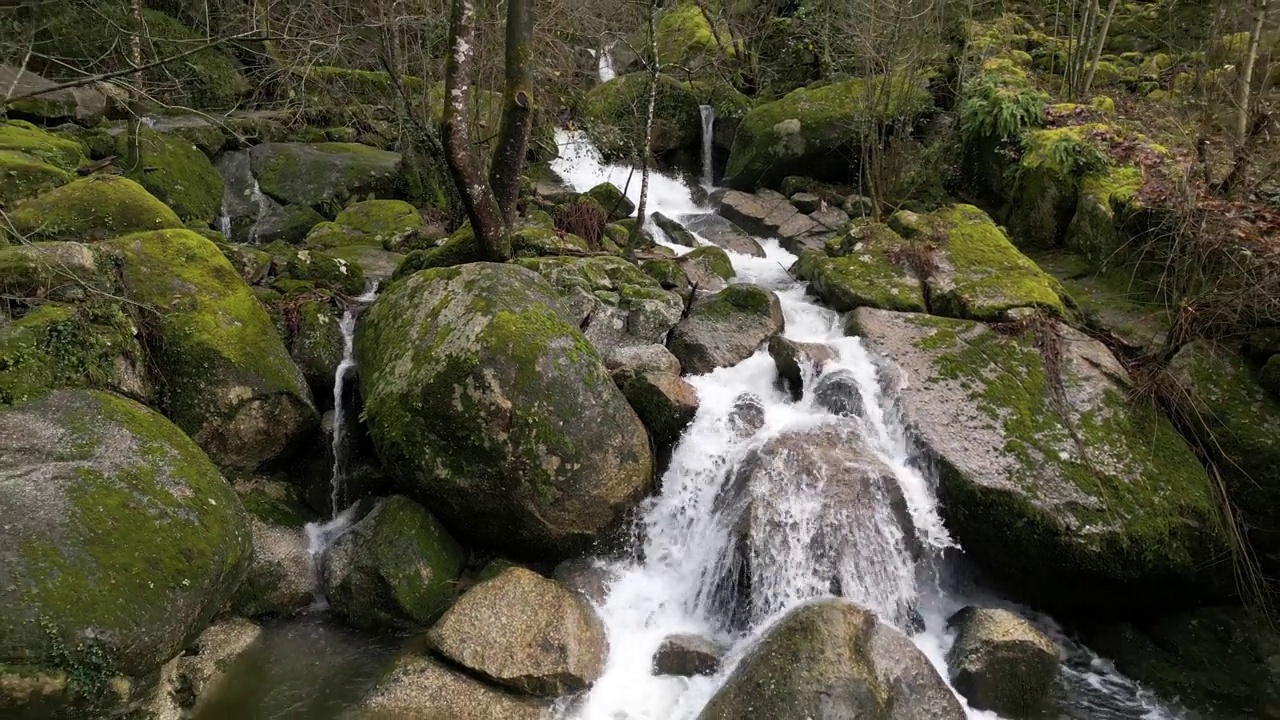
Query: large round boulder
(615, 116)
(229, 381)
(120, 541)
(176, 172)
(489, 404)
(396, 568)
(526, 632)
(830, 660)
(1002, 663)
(92, 208)
(726, 328)
(1064, 491)
(325, 176)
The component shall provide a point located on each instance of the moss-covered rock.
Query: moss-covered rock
(1070, 496)
(23, 176)
(176, 172)
(669, 274)
(1238, 423)
(817, 131)
(121, 542)
(376, 264)
(252, 264)
(615, 116)
(377, 221)
(91, 209)
(865, 266)
(323, 271)
(325, 176)
(227, 379)
(316, 343)
(617, 205)
(23, 137)
(831, 658)
(33, 273)
(1046, 181)
(85, 104)
(726, 328)
(489, 404)
(665, 402)
(1105, 202)
(396, 568)
(687, 40)
(707, 268)
(461, 248)
(1001, 662)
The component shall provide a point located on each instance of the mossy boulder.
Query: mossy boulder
(461, 248)
(708, 269)
(396, 568)
(121, 540)
(1106, 201)
(614, 113)
(665, 402)
(325, 176)
(687, 40)
(23, 137)
(1001, 662)
(66, 346)
(175, 171)
(372, 222)
(1067, 494)
(829, 659)
(252, 264)
(818, 131)
(85, 104)
(34, 273)
(316, 343)
(251, 216)
(228, 380)
(92, 209)
(865, 266)
(726, 328)
(1045, 185)
(323, 271)
(376, 264)
(1237, 422)
(613, 302)
(486, 401)
(617, 205)
(23, 176)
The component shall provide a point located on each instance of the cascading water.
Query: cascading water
(708, 138)
(604, 65)
(798, 545)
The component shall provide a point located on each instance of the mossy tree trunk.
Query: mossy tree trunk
(517, 110)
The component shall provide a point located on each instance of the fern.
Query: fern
(1000, 106)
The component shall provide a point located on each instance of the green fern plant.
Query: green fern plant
(1000, 106)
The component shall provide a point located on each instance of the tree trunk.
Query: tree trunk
(1084, 45)
(1097, 51)
(517, 110)
(1245, 91)
(133, 153)
(477, 197)
(633, 242)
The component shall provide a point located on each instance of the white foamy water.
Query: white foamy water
(604, 65)
(683, 575)
(708, 143)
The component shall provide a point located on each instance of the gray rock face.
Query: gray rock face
(665, 403)
(280, 578)
(396, 568)
(1049, 475)
(831, 660)
(726, 328)
(747, 416)
(762, 213)
(588, 576)
(1001, 662)
(203, 664)
(627, 362)
(421, 687)
(708, 269)
(120, 539)
(687, 655)
(316, 175)
(85, 104)
(675, 232)
(525, 632)
(797, 361)
(806, 202)
(252, 216)
(720, 231)
(838, 392)
(487, 402)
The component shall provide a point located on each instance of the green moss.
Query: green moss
(740, 298)
(615, 116)
(37, 272)
(378, 220)
(176, 172)
(23, 176)
(1107, 201)
(869, 271)
(274, 502)
(23, 137)
(686, 39)
(721, 95)
(812, 130)
(713, 258)
(90, 209)
(1045, 184)
(326, 176)
(316, 342)
(668, 273)
(616, 205)
(324, 271)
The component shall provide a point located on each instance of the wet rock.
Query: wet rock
(687, 655)
(747, 416)
(708, 269)
(538, 452)
(665, 403)
(617, 205)
(590, 577)
(629, 361)
(675, 232)
(422, 687)
(525, 632)
(280, 578)
(806, 202)
(205, 661)
(1002, 663)
(720, 231)
(864, 266)
(726, 328)
(395, 568)
(839, 394)
(832, 659)
(762, 213)
(797, 361)
(318, 175)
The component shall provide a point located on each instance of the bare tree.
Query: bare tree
(633, 241)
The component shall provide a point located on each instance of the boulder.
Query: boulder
(120, 542)
(589, 577)
(524, 632)
(763, 213)
(707, 269)
(686, 39)
(670, 275)
(280, 580)
(726, 328)
(869, 265)
(1106, 201)
(395, 568)
(1001, 662)
(376, 264)
(62, 153)
(203, 664)
(51, 271)
(419, 686)
(175, 171)
(1237, 422)
(325, 176)
(720, 231)
(91, 209)
(612, 301)
(252, 264)
(831, 659)
(1062, 490)
(806, 202)
(614, 114)
(798, 361)
(674, 231)
(686, 656)
(838, 393)
(85, 104)
(535, 450)
(627, 362)
(322, 271)
(372, 222)
(23, 176)
(315, 344)
(461, 248)
(818, 131)
(251, 216)
(617, 205)
(747, 416)
(665, 403)
(229, 380)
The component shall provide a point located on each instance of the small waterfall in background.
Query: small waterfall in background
(320, 535)
(708, 140)
(605, 64)
(735, 501)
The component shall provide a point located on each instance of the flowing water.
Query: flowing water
(708, 144)
(604, 66)
(674, 581)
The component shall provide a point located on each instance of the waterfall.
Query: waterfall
(799, 545)
(605, 64)
(708, 139)
(258, 199)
